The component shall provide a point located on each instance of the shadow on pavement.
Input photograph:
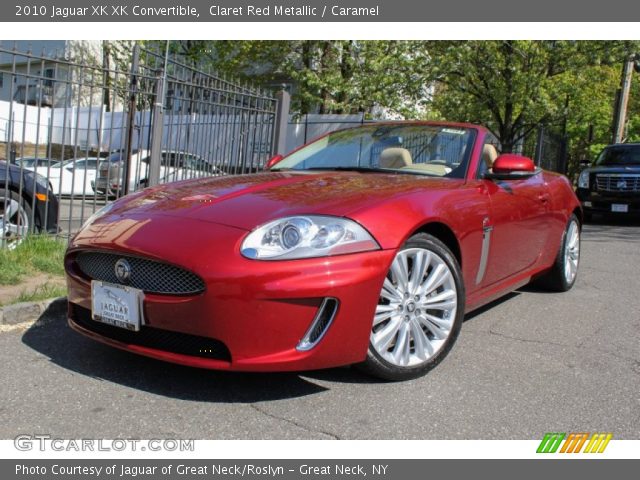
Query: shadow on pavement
(607, 228)
(51, 336)
(489, 306)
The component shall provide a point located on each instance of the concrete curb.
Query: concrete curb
(31, 311)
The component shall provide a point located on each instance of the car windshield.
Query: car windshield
(26, 162)
(118, 155)
(620, 155)
(435, 150)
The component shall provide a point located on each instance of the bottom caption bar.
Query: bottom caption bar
(296, 469)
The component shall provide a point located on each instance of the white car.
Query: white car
(174, 166)
(72, 177)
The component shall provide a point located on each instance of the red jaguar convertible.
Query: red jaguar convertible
(366, 246)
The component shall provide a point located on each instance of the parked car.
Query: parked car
(174, 166)
(27, 204)
(31, 163)
(366, 246)
(73, 176)
(612, 184)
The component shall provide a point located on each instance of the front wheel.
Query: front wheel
(15, 219)
(419, 311)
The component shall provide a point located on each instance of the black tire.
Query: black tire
(25, 211)
(555, 279)
(587, 217)
(378, 366)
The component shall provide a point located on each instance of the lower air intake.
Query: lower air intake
(320, 324)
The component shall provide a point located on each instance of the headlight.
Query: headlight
(306, 237)
(583, 179)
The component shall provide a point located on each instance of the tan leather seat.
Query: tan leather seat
(489, 155)
(395, 157)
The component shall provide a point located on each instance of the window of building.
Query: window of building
(49, 73)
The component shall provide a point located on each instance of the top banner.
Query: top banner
(319, 11)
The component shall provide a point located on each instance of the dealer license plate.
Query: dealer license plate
(116, 305)
(620, 207)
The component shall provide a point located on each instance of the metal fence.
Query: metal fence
(76, 134)
(547, 148)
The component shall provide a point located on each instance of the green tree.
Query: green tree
(328, 76)
(509, 86)
(513, 86)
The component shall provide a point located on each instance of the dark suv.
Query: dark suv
(612, 183)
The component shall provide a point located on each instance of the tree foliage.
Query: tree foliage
(327, 76)
(512, 87)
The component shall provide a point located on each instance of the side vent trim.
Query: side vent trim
(321, 323)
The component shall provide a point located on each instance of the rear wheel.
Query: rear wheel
(419, 311)
(15, 219)
(563, 274)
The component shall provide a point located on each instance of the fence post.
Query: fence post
(539, 146)
(131, 116)
(283, 99)
(157, 126)
(563, 166)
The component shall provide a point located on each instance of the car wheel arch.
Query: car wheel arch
(29, 201)
(579, 214)
(37, 220)
(445, 234)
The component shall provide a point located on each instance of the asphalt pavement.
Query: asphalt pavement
(73, 212)
(530, 363)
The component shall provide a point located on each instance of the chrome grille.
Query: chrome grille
(147, 275)
(618, 182)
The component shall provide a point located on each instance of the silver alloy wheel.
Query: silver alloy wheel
(416, 309)
(14, 223)
(571, 251)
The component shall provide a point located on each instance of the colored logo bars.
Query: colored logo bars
(574, 442)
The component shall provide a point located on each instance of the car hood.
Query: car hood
(247, 201)
(14, 176)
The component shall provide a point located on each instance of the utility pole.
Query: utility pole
(622, 100)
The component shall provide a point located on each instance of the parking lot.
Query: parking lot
(530, 363)
(75, 211)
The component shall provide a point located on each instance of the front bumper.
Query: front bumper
(47, 213)
(257, 312)
(601, 202)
